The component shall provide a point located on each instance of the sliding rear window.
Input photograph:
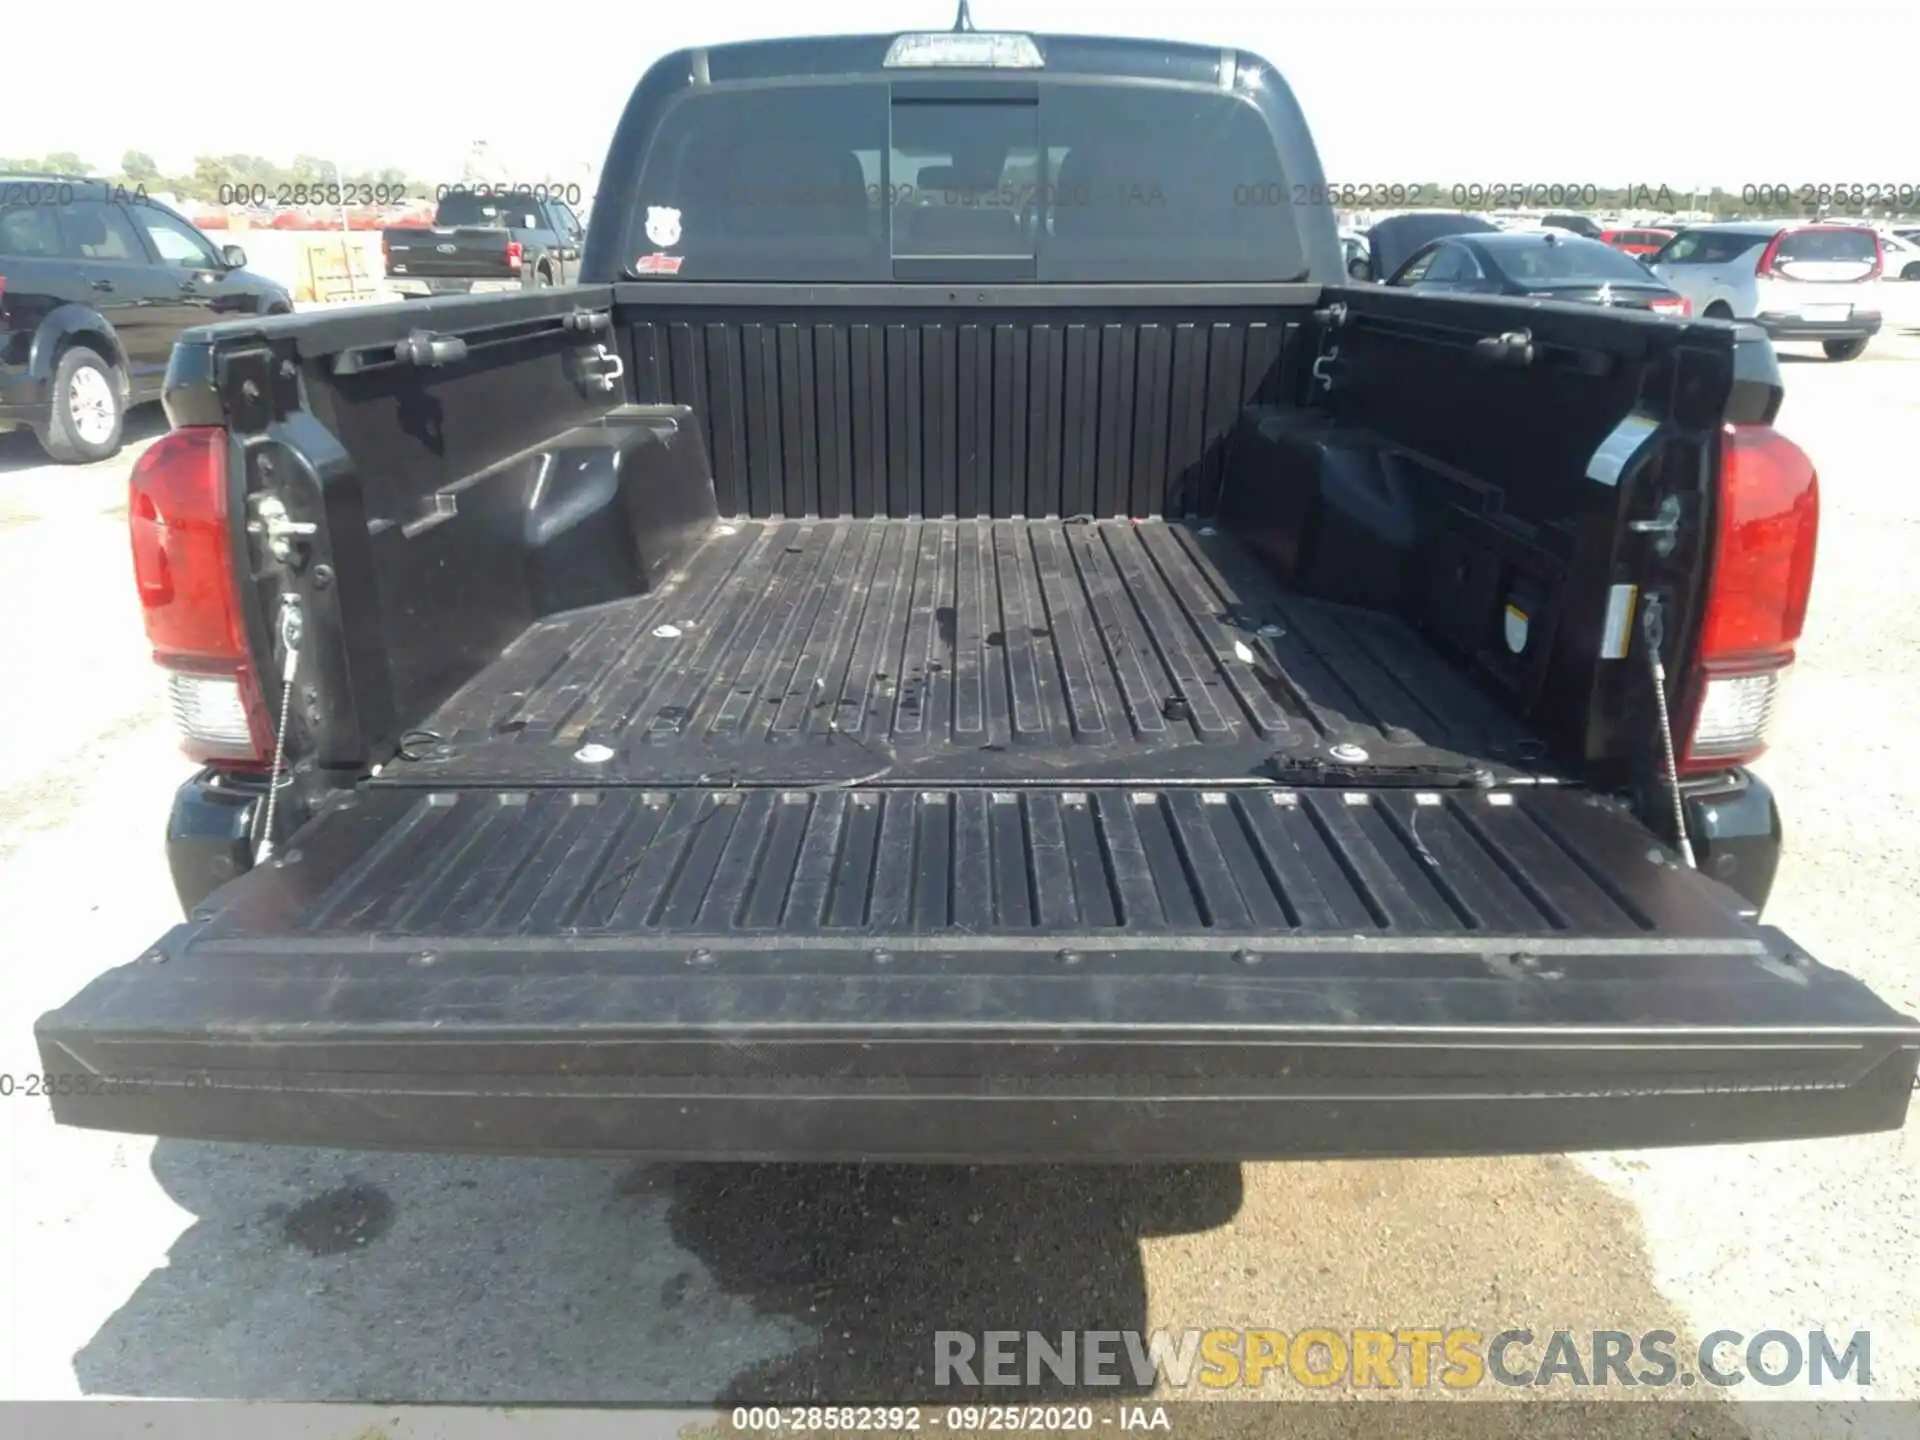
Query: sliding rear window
(1059, 182)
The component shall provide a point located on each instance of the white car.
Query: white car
(1795, 281)
(1899, 256)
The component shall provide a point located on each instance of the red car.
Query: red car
(1643, 241)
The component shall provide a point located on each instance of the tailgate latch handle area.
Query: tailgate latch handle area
(425, 349)
(1665, 524)
(272, 523)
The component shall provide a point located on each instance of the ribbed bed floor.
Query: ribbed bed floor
(809, 652)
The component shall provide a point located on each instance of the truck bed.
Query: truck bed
(1017, 651)
(884, 837)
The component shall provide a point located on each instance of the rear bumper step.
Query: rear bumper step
(1007, 1054)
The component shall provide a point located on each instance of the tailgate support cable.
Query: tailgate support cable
(291, 626)
(1652, 623)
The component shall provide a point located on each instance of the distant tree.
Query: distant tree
(210, 172)
(66, 162)
(138, 166)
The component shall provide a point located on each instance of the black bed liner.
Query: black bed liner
(1042, 651)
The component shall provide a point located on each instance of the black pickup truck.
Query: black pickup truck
(899, 664)
(483, 240)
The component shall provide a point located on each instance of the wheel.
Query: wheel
(1719, 310)
(1912, 272)
(542, 278)
(1844, 349)
(88, 411)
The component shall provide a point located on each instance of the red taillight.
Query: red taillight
(1675, 305)
(1760, 577)
(1879, 260)
(183, 570)
(513, 254)
(1765, 268)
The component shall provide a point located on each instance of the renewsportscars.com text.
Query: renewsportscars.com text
(1413, 1358)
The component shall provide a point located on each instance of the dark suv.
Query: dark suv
(96, 282)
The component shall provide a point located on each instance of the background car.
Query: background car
(96, 283)
(1641, 240)
(1392, 240)
(1899, 255)
(1544, 266)
(1795, 281)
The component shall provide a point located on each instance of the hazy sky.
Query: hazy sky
(1556, 91)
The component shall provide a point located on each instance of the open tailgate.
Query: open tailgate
(965, 974)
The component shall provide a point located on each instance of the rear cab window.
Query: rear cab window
(904, 176)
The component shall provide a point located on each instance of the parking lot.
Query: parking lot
(177, 1269)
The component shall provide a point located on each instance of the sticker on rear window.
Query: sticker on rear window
(663, 226)
(663, 229)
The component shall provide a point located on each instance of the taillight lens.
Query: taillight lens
(1765, 268)
(514, 253)
(1674, 305)
(1760, 577)
(183, 571)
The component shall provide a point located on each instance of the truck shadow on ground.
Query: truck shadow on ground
(323, 1275)
(882, 1259)
(327, 1275)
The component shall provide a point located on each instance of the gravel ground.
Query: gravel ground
(138, 1268)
